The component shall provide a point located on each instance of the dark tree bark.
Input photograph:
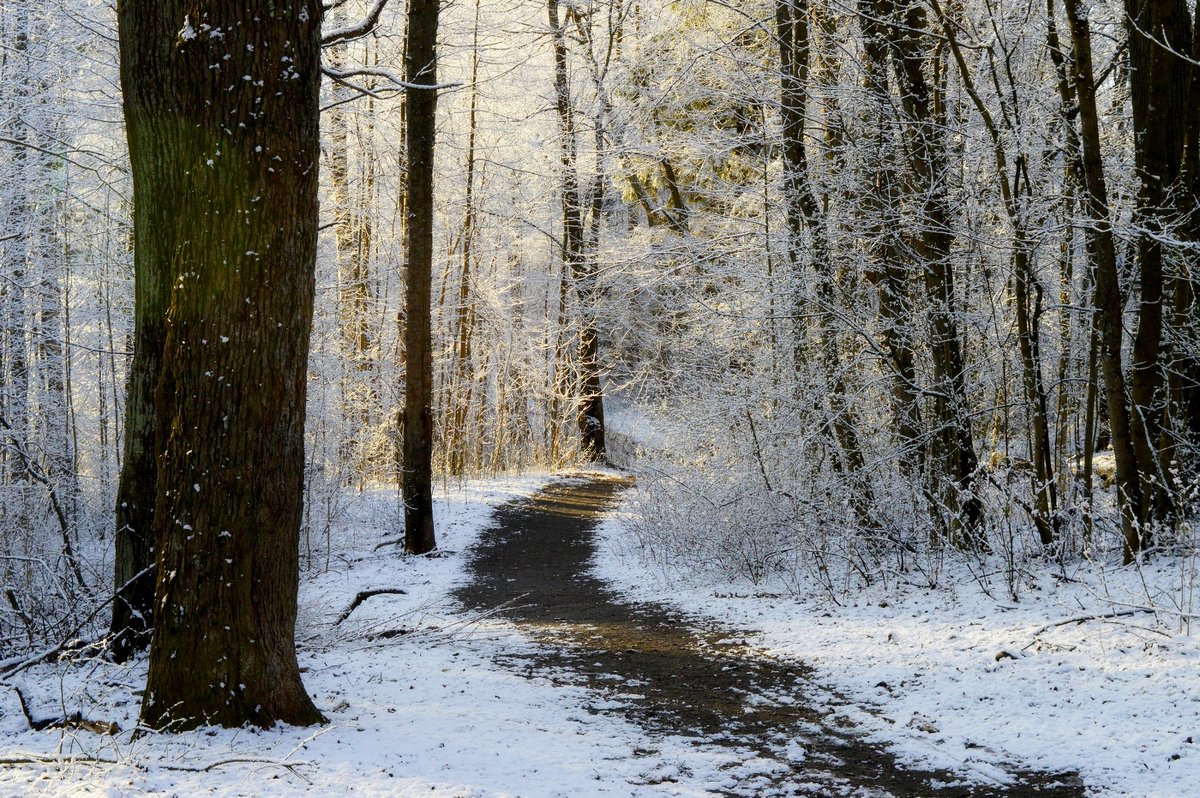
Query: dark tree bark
(953, 459)
(1109, 302)
(888, 272)
(1185, 392)
(576, 264)
(421, 107)
(221, 108)
(1159, 82)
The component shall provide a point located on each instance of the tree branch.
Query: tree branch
(358, 29)
(363, 595)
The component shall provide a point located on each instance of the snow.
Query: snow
(959, 678)
(420, 701)
(428, 712)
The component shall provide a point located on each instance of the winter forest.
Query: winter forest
(599, 397)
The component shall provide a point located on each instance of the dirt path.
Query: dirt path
(690, 680)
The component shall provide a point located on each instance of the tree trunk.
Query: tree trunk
(803, 210)
(887, 272)
(461, 381)
(225, 163)
(1159, 83)
(575, 263)
(1027, 292)
(421, 108)
(953, 456)
(1109, 303)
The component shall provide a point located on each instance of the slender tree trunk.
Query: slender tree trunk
(953, 443)
(1027, 293)
(1109, 303)
(575, 262)
(887, 272)
(461, 383)
(421, 109)
(803, 210)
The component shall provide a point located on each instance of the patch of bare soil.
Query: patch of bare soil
(673, 675)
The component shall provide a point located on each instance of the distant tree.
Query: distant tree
(221, 108)
(578, 267)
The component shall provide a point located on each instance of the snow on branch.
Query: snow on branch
(344, 75)
(358, 29)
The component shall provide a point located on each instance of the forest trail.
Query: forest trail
(673, 676)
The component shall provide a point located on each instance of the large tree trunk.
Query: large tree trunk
(133, 576)
(421, 108)
(1185, 369)
(225, 165)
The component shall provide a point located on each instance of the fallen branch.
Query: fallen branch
(73, 721)
(11, 666)
(363, 595)
(34, 759)
(1085, 619)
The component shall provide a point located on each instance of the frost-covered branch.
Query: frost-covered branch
(358, 29)
(344, 75)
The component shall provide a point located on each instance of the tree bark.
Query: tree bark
(1159, 83)
(1109, 302)
(803, 210)
(421, 109)
(887, 272)
(225, 156)
(575, 262)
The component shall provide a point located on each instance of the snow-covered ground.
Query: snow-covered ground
(952, 678)
(423, 713)
(956, 678)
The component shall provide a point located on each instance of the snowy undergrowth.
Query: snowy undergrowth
(959, 677)
(416, 703)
